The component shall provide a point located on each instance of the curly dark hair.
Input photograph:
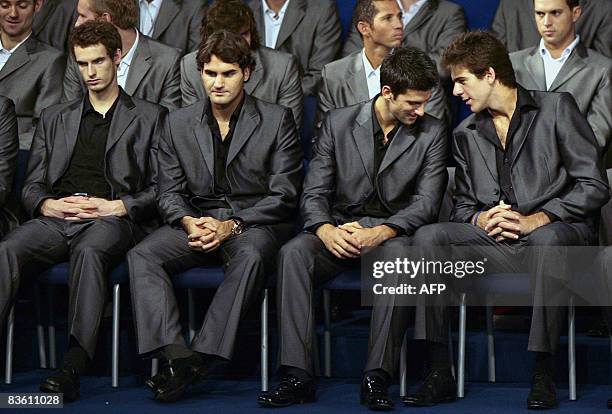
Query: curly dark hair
(93, 33)
(232, 15)
(227, 46)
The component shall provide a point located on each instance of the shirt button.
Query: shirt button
(505, 160)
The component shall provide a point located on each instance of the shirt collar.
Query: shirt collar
(88, 107)
(16, 46)
(127, 59)
(210, 118)
(418, 5)
(524, 102)
(155, 3)
(269, 11)
(367, 65)
(568, 50)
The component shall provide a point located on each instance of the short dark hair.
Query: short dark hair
(364, 11)
(123, 13)
(408, 68)
(570, 3)
(94, 33)
(478, 51)
(232, 15)
(227, 46)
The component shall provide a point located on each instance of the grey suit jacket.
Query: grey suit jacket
(344, 83)
(178, 24)
(52, 24)
(30, 79)
(9, 147)
(154, 75)
(555, 164)
(311, 32)
(432, 29)
(130, 160)
(263, 169)
(514, 24)
(586, 75)
(411, 178)
(275, 79)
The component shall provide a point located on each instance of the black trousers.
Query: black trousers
(304, 264)
(546, 321)
(94, 248)
(246, 260)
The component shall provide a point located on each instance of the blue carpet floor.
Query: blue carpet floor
(334, 397)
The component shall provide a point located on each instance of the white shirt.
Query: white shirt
(124, 65)
(552, 66)
(372, 76)
(148, 15)
(407, 15)
(5, 54)
(273, 22)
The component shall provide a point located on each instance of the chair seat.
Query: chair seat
(347, 280)
(204, 277)
(58, 274)
(506, 283)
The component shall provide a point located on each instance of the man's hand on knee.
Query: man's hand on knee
(339, 242)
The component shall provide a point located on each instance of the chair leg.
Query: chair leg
(451, 353)
(40, 330)
(403, 366)
(327, 332)
(264, 341)
(571, 353)
(461, 353)
(191, 314)
(154, 366)
(52, 349)
(10, 332)
(116, 319)
(490, 344)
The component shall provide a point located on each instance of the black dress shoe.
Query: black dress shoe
(374, 394)
(171, 386)
(543, 395)
(610, 403)
(65, 381)
(157, 380)
(438, 387)
(291, 390)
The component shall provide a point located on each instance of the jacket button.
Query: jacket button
(496, 192)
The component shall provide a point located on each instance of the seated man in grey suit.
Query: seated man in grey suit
(173, 22)
(88, 201)
(9, 146)
(29, 70)
(148, 70)
(230, 174)
(513, 24)
(52, 24)
(275, 77)
(356, 77)
(508, 200)
(378, 174)
(308, 29)
(561, 63)
(429, 25)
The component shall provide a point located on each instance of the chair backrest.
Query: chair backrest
(345, 11)
(447, 201)
(605, 223)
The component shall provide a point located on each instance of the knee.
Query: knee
(297, 248)
(548, 235)
(88, 252)
(430, 235)
(142, 251)
(251, 253)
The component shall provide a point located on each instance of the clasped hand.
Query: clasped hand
(206, 233)
(348, 240)
(503, 223)
(76, 208)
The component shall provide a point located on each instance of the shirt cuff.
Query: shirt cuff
(552, 217)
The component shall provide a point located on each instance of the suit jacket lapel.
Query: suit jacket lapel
(520, 136)
(19, 58)
(535, 67)
(167, 12)
(248, 120)
(204, 137)
(400, 143)
(71, 122)
(256, 75)
(485, 147)
(572, 65)
(141, 64)
(259, 20)
(356, 80)
(362, 135)
(424, 14)
(122, 118)
(293, 16)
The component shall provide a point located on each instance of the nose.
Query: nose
(13, 11)
(399, 23)
(420, 111)
(547, 21)
(457, 89)
(91, 70)
(219, 82)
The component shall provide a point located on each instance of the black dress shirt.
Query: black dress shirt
(85, 173)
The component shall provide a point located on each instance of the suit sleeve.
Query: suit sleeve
(35, 189)
(465, 203)
(353, 42)
(142, 205)
(581, 158)
(320, 183)
(284, 179)
(429, 189)
(438, 105)
(9, 147)
(171, 91)
(452, 27)
(498, 27)
(290, 95)
(73, 84)
(326, 45)
(173, 193)
(194, 30)
(599, 114)
(188, 89)
(601, 41)
(325, 101)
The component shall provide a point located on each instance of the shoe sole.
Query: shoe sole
(270, 404)
(54, 389)
(541, 406)
(177, 394)
(419, 404)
